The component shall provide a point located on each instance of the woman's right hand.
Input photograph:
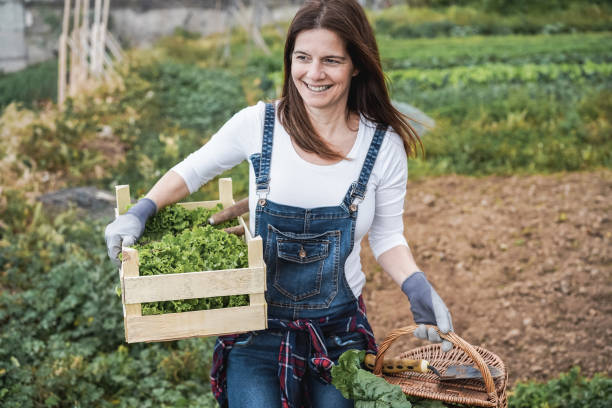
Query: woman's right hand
(128, 228)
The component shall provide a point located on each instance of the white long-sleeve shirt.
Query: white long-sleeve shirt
(296, 182)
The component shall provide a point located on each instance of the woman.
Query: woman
(328, 165)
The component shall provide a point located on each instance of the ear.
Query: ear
(355, 72)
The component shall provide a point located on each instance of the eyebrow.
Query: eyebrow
(326, 56)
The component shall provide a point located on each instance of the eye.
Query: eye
(331, 61)
(300, 57)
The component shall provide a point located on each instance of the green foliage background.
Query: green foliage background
(514, 87)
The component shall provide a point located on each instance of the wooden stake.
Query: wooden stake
(84, 42)
(113, 46)
(95, 38)
(75, 55)
(82, 57)
(61, 85)
(102, 34)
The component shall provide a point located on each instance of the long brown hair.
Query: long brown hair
(368, 94)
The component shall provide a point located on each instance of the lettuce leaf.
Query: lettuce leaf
(366, 389)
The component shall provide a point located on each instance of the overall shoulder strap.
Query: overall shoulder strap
(357, 189)
(263, 178)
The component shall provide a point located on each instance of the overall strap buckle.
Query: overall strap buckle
(356, 195)
(262, 194)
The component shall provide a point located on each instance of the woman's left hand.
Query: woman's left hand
(427, 308)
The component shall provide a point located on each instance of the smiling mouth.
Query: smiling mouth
(317, 88)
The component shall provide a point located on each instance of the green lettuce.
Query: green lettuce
(366, 389)
(178, 240)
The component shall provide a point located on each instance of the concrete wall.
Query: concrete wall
(142, 27)
(29, 30)
(13, 49)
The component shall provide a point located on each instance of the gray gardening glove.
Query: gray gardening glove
(128, 228)
(427, 308)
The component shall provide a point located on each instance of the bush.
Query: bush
(31, 85)
(61, 332)
(174, 109)
(514, 128)
(513, 50)
(507, 17)
(569, 390)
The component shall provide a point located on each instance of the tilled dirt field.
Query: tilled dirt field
(524, 264)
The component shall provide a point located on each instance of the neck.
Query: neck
(331, 121)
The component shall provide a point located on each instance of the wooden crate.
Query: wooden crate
(137, 289)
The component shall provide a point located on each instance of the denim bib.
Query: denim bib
(305, 249)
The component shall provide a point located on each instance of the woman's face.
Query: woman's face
(321, 69)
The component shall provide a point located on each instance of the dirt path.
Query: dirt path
(523, 263)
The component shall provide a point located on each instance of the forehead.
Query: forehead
(320, 41)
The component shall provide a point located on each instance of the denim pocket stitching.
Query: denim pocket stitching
(299, 296)
(286, 255)
(307, 238)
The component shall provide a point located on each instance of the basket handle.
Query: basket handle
(453, 338)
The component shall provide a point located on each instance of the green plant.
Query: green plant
(36, 83)
(514, 128)
(569, 390)
(174, 219)
(61, 329)
(177, 240)
(366, 389)
(466, 18)
(516, 50)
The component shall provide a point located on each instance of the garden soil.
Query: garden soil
(524, 264)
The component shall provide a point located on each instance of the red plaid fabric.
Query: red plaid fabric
(303, 344)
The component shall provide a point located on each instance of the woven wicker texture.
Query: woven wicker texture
(484, 392)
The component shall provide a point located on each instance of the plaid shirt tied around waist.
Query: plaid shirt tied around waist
(303, 341)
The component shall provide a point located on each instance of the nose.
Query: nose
(316, 71)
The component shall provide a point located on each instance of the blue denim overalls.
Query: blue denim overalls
(305, 251)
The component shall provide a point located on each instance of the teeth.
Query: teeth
(318, 88)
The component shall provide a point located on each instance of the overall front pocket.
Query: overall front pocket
(302, 262)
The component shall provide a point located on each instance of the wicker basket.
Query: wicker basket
(490, 393)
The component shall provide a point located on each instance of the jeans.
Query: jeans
(252, 373)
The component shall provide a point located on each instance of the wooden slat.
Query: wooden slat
(193, 285)
(257, 299)
(129, 265)
(201, 323)
(225, 192)
(255, 247)
(123, 198)
(247, 234)
(195, 204)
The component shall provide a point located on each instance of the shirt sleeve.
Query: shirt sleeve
(232, 144)
(387, 230)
